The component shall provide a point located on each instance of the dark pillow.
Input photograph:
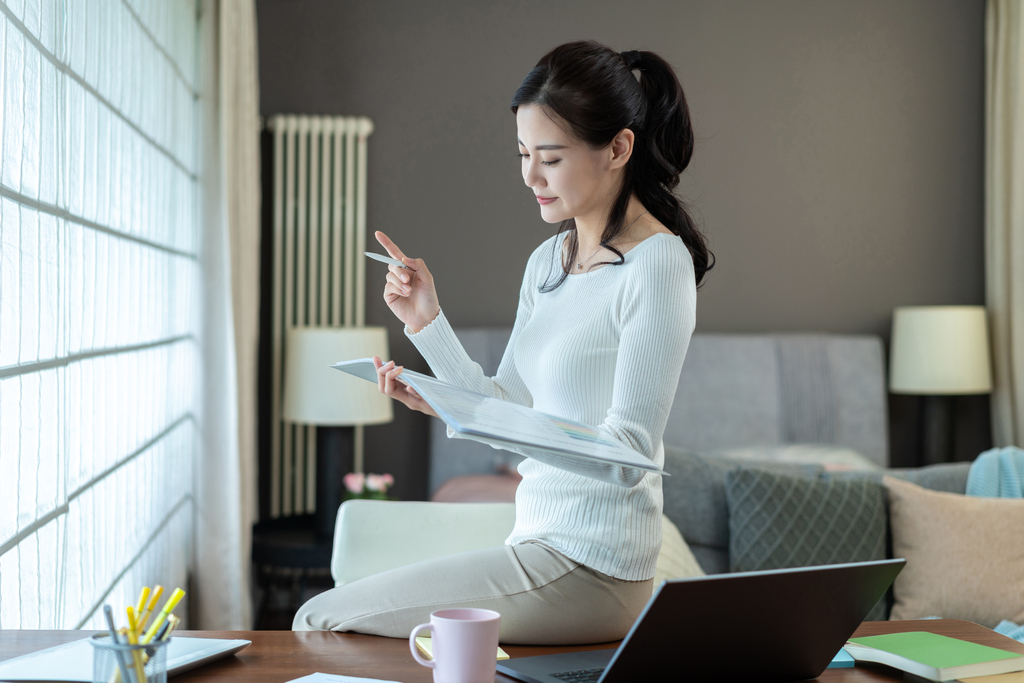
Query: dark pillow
(777, 521)
(695, 501)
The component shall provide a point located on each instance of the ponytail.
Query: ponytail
(593, 90)
(662, 150)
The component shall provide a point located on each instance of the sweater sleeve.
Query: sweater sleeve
(657, 316)
(448, 360)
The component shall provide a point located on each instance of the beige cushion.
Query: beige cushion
(675, 561)
(965, 555)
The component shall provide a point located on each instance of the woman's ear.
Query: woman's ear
(622, 148)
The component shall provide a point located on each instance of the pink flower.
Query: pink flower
(354, 482)
(379, 482)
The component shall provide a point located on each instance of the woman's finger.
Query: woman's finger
(398, 284)
(389, 380)
(402, 274)
(413, 265)
(391, 292)
(382, 371)
(389, 246)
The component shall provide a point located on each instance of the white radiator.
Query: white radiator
(319, 271)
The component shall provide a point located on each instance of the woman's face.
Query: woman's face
(569, 179)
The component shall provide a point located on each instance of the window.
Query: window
(99, 304)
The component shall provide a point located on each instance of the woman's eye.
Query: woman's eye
(546, 163)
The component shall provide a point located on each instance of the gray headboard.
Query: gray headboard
(735, 390)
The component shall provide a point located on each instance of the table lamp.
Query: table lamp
(316, 394)
(939, 352)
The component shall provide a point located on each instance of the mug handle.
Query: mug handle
(430, 664)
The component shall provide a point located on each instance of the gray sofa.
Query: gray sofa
(735, 391)
(695, 496)
(742, 393)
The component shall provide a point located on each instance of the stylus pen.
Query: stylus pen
(386, 259)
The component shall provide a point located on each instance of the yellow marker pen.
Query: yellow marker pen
(171, 603)
(157, 592)
(143, 597)
(133, 639)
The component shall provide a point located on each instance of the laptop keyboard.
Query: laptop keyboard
(580, 676)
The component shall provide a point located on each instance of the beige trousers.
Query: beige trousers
(543, 597)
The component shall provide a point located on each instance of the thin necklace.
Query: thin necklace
(579, 264)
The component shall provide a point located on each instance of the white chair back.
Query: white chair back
(373, 536)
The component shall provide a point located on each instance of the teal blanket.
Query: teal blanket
(1008, 628)
(997, 473)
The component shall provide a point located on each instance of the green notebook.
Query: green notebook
(938, 658)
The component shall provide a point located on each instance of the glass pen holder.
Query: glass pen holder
(121, 663)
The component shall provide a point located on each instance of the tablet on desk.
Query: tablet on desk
(73, 661)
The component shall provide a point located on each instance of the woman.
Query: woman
(605, 315)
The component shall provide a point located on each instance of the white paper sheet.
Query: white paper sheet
(335, 678)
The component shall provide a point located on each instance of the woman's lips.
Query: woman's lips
(545, 200)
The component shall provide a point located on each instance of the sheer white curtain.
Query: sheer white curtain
(1004, 214)
(230, 192)
(100, 319)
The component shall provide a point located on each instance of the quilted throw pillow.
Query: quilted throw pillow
(777, 520)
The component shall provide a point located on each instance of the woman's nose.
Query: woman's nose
(532, 177)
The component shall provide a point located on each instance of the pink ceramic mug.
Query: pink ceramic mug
(465, 645)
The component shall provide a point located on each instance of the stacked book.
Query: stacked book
(939, 658)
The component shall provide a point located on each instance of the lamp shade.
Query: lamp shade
(315, 393)
(939, 350)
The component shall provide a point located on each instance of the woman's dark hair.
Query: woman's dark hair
(592, 88)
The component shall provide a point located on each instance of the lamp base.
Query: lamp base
(335, 452)
(937, 429)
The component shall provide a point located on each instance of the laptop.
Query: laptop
(776, 625)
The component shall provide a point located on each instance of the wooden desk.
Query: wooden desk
(278, 656)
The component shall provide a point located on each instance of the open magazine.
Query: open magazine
(509, 425)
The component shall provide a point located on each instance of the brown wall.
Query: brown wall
(838, 172)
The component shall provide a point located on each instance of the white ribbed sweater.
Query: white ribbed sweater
(606, 349)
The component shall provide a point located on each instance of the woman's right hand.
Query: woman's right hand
(409, 292)
(387, 382)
